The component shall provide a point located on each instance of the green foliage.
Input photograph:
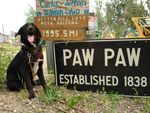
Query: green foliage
(147, 105)
(114, 98)
(52, 71)
(51, 80)
(111, 98)
(74, 100)
(7, 52)
(30, 14)
(116, 10)
(5, 58)
(134, 9)
(50, 95)
(99, 14)
(24, 93)
(148, 5)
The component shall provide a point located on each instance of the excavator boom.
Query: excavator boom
(142, 25)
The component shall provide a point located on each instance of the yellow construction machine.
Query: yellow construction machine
(142, 25)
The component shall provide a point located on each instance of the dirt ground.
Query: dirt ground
(17, 102)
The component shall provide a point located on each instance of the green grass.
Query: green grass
(9, 48)
(73, 100)
(7, 52)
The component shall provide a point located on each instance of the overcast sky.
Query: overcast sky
(13, 13)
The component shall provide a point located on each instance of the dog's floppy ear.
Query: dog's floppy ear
(19, 32)
(38, 32)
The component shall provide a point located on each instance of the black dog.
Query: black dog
(28, 62)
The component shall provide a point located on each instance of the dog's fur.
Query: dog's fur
(19, 70)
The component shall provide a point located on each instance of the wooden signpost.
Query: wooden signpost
(67, 21)
(68, 27)
(65, 34)
(62, 20)
(62, 7)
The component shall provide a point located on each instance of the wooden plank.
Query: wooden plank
(53, 23)
(61, 7)
(63, 34)
(68, 21)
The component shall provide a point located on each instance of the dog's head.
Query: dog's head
(30, 34)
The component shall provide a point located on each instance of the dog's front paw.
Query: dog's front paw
(31, 95)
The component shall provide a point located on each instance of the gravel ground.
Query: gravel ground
(17, 102)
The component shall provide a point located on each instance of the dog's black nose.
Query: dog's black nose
(31, 28)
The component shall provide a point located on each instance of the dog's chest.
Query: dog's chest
(36, 66)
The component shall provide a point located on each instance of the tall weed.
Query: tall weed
(50, 95)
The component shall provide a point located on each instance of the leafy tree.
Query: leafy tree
(148, 5)
(30, 14)
(114, 11)
(134, 9)
(119, 14)
(99, 13)
(115, 16)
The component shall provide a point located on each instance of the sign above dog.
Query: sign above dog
(114, 65)
(67, 21)
(58, 19)
(62, 27)
(62, 7)
(63, 34)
